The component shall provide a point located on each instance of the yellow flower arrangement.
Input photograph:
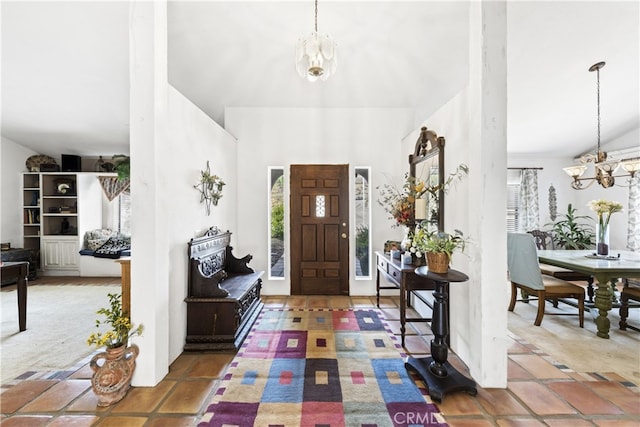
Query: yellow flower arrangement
(604, 209)
(122, 328)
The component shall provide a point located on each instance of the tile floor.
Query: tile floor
(540, 391)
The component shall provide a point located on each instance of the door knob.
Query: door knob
(344, 235)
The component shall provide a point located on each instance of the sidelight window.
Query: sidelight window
(362, 208)
(276, 222)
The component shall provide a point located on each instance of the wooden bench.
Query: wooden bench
(224, 294)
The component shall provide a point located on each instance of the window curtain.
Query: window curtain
(529, 209)
(633, 226)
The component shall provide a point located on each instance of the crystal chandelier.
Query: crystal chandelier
(604, 169)
(316, 55)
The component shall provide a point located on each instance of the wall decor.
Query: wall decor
(210, 188)
(553, 203)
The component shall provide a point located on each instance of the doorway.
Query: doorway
(319, 213)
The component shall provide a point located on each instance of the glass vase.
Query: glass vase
(602, 239)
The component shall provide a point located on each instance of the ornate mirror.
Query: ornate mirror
(426, 165)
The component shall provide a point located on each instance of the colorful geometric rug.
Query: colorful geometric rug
(320, 368)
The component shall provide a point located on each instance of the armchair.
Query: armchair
(524, 273)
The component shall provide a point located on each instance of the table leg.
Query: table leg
(22, 297)
(378, 288)
(603, 302)
(436, 372)
(403, 313)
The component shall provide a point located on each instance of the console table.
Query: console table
(436, 372)
(403, 277)
(18, 271)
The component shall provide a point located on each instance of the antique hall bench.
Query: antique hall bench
(223, 298)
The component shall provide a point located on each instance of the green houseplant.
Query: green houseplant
(572, 232)
(438, 246)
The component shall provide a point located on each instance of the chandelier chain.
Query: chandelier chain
(316, 14)
(598, 91)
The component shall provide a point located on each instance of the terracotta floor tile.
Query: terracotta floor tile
(619, 395)
(359, 302)
(517, 372)
(500, 402)
(144, 399)
(171, 422)
(83, 373)
(340, 302)
(211, 365)
(318, 302)
(453, 422)
(539, 398)
(584, 399)
(20, 394)
(187, 397)
(26, 421)
(122, 422)
(296, 302)
(88, 402)
(520, 422)
(73, 421)
(58, 396)
(387, 302)
(182, 364)
(514, 347)
(459, 403)
(537, 366)
(274, 301)
(565, 422)
(617, 423)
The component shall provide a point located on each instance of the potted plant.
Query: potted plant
(571, 233)
(604, 209)
(113, 368)
(438, 247)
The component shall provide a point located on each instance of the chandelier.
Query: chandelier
(604, 169)
(316, 55)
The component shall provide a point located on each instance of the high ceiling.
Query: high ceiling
(65, 66)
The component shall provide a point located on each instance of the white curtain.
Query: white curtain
(633, 226)
(529, 212)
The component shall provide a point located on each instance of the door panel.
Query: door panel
(319, 229)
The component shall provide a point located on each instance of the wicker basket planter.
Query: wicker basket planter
(438, 262)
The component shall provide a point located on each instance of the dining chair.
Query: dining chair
(630, 291)
(524, 274)
(544, 240)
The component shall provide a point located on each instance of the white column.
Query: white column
(484, 342)
(149, 218)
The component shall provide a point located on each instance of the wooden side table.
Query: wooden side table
(436, 372)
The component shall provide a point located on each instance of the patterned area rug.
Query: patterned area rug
(320, 368)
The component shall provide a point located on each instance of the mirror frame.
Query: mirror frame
(430, 145)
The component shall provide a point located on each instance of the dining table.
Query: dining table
(605, 269)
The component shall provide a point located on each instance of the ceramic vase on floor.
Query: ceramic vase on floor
(602, 239)
(112, 377)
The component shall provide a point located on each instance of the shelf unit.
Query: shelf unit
(58, 208)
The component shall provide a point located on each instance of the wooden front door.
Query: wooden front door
(319, 229)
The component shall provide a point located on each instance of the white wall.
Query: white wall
(193, 139)
(171, 140)
(12, 159)
(281, 137)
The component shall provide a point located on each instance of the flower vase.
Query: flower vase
(405, 244)
(602, 239)
(112, 378)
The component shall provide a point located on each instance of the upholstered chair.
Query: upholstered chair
(524, 274)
